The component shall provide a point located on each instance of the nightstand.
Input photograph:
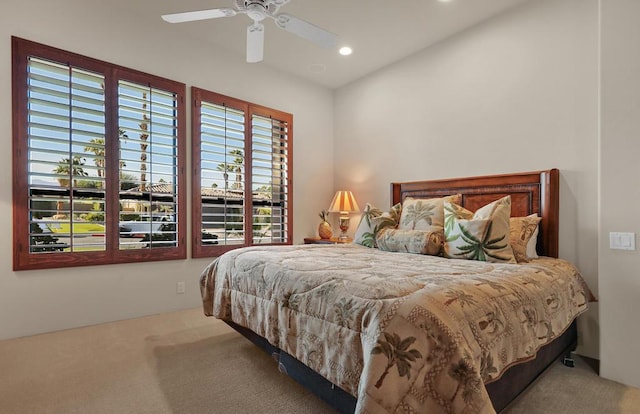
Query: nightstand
(317, 240)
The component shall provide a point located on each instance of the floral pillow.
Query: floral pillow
(483, 236)
(425, 214)
(410, 241)
(521, 236)
(373, 220)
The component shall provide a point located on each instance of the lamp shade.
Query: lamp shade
(343, 202)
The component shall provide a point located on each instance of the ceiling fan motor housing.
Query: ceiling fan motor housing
(256, 12)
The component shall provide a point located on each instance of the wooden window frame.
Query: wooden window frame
(23, 259)
(197, 96)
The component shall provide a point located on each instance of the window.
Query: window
(242, 161)
(99, 154)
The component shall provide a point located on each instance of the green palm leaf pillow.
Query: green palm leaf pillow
(425, 214)
(484, 237)
(373, 220)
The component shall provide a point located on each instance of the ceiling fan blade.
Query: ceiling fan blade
(255, 43)
(306, 30)
(198, 15)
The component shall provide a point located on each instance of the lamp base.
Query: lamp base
(343, 237)
(344, 226)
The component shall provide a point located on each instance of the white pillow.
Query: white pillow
(532, 252)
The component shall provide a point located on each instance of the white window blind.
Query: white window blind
(66, 158)
(270, 177)
(222, 178)
(148, 173)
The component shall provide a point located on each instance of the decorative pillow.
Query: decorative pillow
(366, 225)
(425, 214)
(373, 220)
(409, 241)
(452, 212)
(532, 246)
(521, 234)
(483, 237)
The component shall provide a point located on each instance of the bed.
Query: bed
(368, 340)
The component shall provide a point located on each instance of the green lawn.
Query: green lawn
(78, 228)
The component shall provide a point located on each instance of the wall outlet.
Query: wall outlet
(180, 287)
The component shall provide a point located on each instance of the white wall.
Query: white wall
(515, 93)
(40, 301)
(619, 191)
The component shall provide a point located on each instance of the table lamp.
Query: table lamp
(344, 203)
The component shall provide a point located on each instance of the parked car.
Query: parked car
(148, 224)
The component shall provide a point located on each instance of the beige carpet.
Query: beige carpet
(182, 362)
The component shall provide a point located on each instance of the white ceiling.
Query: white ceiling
(379, 31)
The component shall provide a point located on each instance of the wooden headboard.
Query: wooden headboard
(531, 192)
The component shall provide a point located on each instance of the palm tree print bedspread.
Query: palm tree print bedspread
(403, 332)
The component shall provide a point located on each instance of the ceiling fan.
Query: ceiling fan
(258, 10)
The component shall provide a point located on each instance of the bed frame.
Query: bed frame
(532, 192)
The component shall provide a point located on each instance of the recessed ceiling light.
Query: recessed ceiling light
(444, 1)
(345, 51)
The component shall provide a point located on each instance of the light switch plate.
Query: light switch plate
(622, 241)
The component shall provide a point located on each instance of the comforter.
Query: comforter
(401, 332)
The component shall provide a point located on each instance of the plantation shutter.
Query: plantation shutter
(222, 174)
(270, 177)
(242, 167)
(98, 161)
(148, 166)
(66, 158)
